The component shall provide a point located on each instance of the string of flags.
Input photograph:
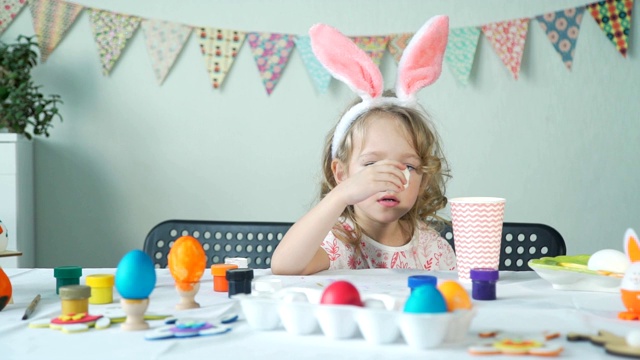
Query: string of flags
(271, 51)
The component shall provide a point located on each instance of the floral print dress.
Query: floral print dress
(426, 250)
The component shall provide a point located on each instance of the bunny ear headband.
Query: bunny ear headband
(420, 66)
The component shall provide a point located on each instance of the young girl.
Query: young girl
(383, 168)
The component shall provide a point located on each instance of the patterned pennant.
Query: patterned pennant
(562, 29)
(397, 44)
(9, 9)
(614, 18)
(461, 50)
(320, 76)
(51, 20)
(271, 52)
(111, 32)
(219, 48)
(508, 38)
(374, 46)
(165, 41)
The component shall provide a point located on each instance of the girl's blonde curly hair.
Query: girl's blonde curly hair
(426, 143)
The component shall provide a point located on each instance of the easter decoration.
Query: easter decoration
(5, 289)
(630, 286)
(187, 261)
(185, 328)
(135, 280)
(627, 346)
(513, 344)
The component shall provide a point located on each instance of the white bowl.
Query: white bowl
(378, 326)
(261, 312)
(298, 317)
(423, 331)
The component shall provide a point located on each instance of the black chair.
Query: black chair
(220, 239)
(522, 242)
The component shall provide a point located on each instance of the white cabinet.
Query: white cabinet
(16, 199)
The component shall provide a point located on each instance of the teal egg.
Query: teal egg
(135, 276)
(425, 299)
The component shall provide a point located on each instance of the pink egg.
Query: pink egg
(341, 293)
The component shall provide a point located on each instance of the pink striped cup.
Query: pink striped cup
(477, 233)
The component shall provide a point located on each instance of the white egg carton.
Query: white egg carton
(380, 321)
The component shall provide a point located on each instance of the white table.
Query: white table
(526, 305)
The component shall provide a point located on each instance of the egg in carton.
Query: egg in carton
(340, 312)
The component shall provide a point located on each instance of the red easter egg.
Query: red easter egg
(341, 293)
(5, 289)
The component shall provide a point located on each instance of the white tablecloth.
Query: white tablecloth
(526, 304)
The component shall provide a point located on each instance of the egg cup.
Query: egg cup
(187, 297)
(134, 309)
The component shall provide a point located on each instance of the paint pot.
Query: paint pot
(219, 272)
(75, 299)
(101, 288)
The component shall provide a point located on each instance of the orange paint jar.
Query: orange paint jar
(219, 272)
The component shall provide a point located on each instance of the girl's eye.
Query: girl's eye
(369, 163)
(411, 167)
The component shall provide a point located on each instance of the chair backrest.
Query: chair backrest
(220, 239)
(522, 242)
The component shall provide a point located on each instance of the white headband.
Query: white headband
(419, 66)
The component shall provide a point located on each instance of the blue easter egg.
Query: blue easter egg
(135, 276)
(425, 299)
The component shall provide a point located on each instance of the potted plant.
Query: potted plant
(23, 108)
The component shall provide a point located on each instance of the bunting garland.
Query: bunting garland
(111, 32)
(51, 20)
(397, 44)
(562, 29)
(507, 38)
(271, 52)
(9, 9)
(320, 76)
(165, 41)
(461, 50)
(374, 46)
(219, 48)
(614, 18)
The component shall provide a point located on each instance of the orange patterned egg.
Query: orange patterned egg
(187, 261)
(5, 289)
(454, 295)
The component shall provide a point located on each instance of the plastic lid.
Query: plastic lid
(240, 274)
(420, 280)
(100, 280)
(484, 274)
(75, 292)
(221, 269)
(67, 272)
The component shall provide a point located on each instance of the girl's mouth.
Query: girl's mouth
(388, 201)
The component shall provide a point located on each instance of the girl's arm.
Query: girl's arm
(299, 252)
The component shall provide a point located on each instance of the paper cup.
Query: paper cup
(477, 233)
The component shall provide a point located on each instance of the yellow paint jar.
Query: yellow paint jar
(75, 299)
(101, 288)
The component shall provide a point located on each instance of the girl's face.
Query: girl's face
(385, 138)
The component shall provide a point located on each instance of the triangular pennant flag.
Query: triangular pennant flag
(111, 32)
(397, 43)
(165, 41)
(461, 50)
(271, 52)
(320, 76)
(614, 18)
(51, 20)
(508, 38)
(374, 46)
(219, 48)
(562, 29)
(9, 9)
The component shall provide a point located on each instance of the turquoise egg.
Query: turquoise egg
(135, 276)
(425, 299)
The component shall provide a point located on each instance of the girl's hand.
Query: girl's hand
(366, 181)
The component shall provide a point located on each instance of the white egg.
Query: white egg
(609, 260)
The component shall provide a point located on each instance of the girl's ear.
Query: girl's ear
(631, 246)
(339, 171)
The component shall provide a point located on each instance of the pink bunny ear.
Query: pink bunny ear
(346, 61)
(421, 62)
(631, 245)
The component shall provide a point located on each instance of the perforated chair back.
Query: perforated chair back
(220, 239)
(522, 242)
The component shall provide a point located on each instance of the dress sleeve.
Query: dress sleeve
(339, 253)
(448, 257)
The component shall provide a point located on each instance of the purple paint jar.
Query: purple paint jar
(483, 283)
